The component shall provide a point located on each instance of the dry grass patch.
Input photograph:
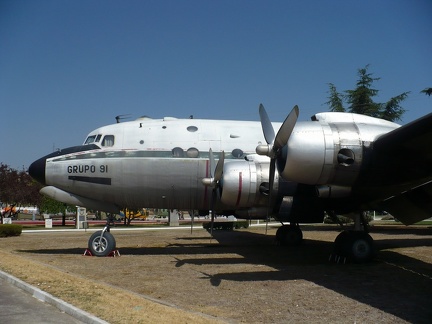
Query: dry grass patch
(241, 276)
(112, 304)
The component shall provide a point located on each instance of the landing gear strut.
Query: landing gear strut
(289, 235)
(354, 245)
(102, 243)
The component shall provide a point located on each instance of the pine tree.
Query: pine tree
(335, 100)
(427, 91)
(360, 100)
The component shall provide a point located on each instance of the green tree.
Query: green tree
(427, 91)
(361, 99)
(51, 206)
(392, 110)
(335, 99)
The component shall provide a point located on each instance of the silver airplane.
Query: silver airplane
(337, 163)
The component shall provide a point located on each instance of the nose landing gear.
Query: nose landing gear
(102, 243)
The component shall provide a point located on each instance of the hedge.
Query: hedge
(227, 226)
(10, 230)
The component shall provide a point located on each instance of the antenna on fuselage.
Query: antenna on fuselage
(120, 117)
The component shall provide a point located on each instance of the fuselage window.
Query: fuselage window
(192, 129)
(177, 152)
(237, 153)
(108, 140)
(90, 139)
(192, 152)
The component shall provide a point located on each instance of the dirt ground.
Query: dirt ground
(240, 276)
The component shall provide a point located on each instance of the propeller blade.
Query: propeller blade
(271, 176)
(286, 129)
(212, 163)
(219, 168)
(212, 212)
(266, 125)
(272, 171)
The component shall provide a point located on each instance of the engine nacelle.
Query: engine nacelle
(241, 183)
(329, 151)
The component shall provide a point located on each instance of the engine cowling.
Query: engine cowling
(241, 184)
(329, 151)
(322, 154)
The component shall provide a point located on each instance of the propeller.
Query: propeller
(275, 143)
(216, 171)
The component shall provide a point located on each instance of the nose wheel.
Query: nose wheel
(102, 243)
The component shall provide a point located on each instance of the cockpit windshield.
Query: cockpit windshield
(108, 140)
(90, 139)
(93, 139)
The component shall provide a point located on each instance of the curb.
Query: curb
(45, 297)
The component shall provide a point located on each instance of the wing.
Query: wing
(397, 172)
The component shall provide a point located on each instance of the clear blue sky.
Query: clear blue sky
(67, 67)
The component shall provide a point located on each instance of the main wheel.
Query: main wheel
(354, 246)
(289, 235)
(361, 247)
(101, 246)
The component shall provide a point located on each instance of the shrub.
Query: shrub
(226, 226)
(242, 223)
(10, 230)
(343, 219)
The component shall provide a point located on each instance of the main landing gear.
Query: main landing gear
(354, 245)
(289, 235)
(102, 243)
(350, 245)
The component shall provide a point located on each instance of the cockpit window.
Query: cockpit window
(108, 140)
(90, 139)
(98, 138)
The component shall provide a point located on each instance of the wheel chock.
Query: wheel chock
(113, 253)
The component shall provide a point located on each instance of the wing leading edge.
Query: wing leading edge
(397, 174)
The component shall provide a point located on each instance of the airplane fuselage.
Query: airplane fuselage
(160, 163)
(337, 163)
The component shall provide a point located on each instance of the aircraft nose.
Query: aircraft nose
(37, 170)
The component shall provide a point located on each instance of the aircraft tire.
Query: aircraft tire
(361, 247)
(289, 235)
(101, 247)
(355, 246)
(340, 243)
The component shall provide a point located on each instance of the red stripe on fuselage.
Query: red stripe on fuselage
(205, 187)
(240, 188)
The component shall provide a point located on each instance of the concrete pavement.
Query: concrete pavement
(22, 303)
